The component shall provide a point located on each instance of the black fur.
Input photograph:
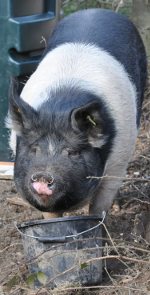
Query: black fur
(64, 123)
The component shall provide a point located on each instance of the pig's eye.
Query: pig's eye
(34, 149)
(73, 154)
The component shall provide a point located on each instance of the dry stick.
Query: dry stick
(145, 202)
(44, 251)
(139, 190)
(74, 241)
(147, 158)
(104, 2)
(92, 287)
(28, 290)
(97, 287)
(6, 248)
(110, 238)
(117, 177)
(146, 104)
(90, 260)
(33, 258)
(43, 40)
(113, 244)
(95, 248)
(65, 2)
(118, 257)
(134, 199)
(118, 6)
(106, 270)
(114, 247)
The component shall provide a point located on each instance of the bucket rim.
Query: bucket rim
(60, 219)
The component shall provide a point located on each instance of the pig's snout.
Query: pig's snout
(42, 183)
(43, 177)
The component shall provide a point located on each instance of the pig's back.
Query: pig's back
(110, 31)
(98, 49)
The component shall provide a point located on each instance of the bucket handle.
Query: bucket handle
(61, 239)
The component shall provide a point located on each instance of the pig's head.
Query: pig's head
(59, 145)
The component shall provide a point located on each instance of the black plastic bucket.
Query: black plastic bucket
(72, 242)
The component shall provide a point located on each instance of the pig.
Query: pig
(75, 124)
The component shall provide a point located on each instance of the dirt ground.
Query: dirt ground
(128, 231)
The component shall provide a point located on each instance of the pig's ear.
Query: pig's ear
(87, 119)
(20, 112)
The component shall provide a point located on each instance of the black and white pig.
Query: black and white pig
(79, 113)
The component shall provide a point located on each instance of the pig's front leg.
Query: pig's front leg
(105, 195)
(48, 215)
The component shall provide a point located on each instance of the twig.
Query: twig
(138, 190)
(81, 240)
(106, 2)
(110, 238)
(90, 260)
(141, 201)
(147, 158)
(1, 251)
(43, 252)
(28, 290)
(117, 177)
(111, 279)
(132, 200)
(113, 243)
(43, 40)
(99, 287)
(146, 104)
(120, 3)
(65, 2)
(18, 201)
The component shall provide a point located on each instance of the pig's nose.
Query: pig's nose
(43, 177)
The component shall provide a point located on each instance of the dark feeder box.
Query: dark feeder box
(72, 242)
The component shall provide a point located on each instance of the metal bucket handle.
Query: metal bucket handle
(61, 239)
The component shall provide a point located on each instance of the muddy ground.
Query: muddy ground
(128, 231)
